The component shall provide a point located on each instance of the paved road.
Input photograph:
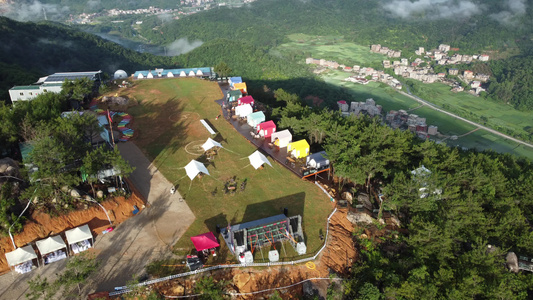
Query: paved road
(133, 244)
(430, 105)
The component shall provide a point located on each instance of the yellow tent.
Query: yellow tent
(298, 149)
(240, 86)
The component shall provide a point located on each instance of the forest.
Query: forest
(453, 239)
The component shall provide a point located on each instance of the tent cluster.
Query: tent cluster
(244, 109)
(50, 249)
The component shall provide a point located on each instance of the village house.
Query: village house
(468, 75)
(453, 71)
(484, 57)
(482, 77)
(404, 61)
(444, 47)
(386, 64)
(457, 88)
(420, 51)
(475, 84)
(375, 48)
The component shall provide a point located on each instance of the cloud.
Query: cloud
(93, 4)
(433, 9)
(181, 46)
(513, 10)
(33, 11)
(166, 17)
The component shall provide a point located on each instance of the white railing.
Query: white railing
(125, 289)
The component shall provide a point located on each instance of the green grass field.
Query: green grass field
(330, 48)
(390, 99)
(498, 115)
(170, 133)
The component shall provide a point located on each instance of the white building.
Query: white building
(51, 83)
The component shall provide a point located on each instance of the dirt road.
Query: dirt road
(133, 244)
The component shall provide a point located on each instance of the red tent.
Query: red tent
(266, 129)
(205, 241)
(246, 100)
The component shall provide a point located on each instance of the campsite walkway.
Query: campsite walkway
(127, 250)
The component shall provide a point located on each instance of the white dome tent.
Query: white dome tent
(120, 74)
(195, 167)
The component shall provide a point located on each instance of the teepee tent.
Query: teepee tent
(257, 159)
(210, 143)
(195, 167)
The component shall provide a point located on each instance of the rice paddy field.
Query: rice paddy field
(167, 114)
(481, 140)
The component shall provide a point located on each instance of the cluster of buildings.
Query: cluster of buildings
(377, 48)
(140, 11)
(368, 107)
(363, 74)
(414, 123)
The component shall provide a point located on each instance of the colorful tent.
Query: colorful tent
(244, 110)
(281, 138)
(240, 86)
(246, 100)
(234, 95)
(298, 149)
(256, 118)
(195, 167)
(318, 160)
(233, 80)
(257, 159)
(205, 241)
(266, 129)
(210, 143)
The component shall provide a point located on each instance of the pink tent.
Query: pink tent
(246, 100)
(205, 241)
(266, 129)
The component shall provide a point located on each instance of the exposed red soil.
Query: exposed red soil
(41, 225)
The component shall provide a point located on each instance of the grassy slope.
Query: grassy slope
(168, 121)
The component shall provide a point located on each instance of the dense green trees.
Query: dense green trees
(458, 220)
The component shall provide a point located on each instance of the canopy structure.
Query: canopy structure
(246, 100)
(195, 167)
(210, 143)
(20, 255)
(244, 110)
(51, 244)
(257, 159)
(266, 129)
(205, 241)
(240, 86)
(78, 234)
(298, 149)
(255, 118)
(281, 138)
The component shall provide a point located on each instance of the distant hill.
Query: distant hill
(29, 50)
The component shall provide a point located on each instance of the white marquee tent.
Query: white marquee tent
(77, 238)
(195, 167)
(50, 245)
(257, 159)
(210, 143)
(20, 255)
(284, 138)
(243, 110)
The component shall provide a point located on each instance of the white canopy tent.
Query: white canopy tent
(195, 167)
(20, 256)
(77, 238)
(210, 143)
(50, 246)
(243, 110)
(257, 159)
(284, 138)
